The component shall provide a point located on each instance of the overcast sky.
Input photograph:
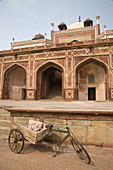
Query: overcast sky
(23, 19)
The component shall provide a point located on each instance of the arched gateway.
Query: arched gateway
(50, 81)
(14, 83)
(75, 64)
(91, 80)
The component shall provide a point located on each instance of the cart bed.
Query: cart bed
(32, 136)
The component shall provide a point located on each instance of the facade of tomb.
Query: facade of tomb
(75, 64)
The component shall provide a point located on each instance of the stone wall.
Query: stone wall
(68, 58)
(91, 132)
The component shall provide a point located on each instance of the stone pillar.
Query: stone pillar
(98, 17)
(45, 39)
(52, 32)
(52, 26)
(98, 25)
(69, 76)
(30, 91)
(105, 36)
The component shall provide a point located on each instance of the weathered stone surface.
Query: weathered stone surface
(80, 132)
(23, 120)
(2, 111)
(4, 117)
(93, 129)
(100, 134)
(103, 123)
(5, 123)
(4, 131)
(55, 122)
(80, 122)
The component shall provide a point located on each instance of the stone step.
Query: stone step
(5, 123)
(2, 111)
(55, 91)
(4, 116)
(4, 137)
(54, 97)
(4, 130)
(54, 94)
(58, 97)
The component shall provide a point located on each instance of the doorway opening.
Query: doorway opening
(51, 84)
(91, 93)
(23, 94)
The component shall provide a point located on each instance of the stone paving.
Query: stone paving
(58, 104)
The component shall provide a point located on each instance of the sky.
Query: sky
(23, 19)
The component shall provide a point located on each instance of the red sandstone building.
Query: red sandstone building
(76, 64)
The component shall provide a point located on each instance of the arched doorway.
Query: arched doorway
(15, 83)
(50, 82)
(91, 80)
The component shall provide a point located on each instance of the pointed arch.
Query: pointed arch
(47, 74)
(14, 86)
(19, 65)
(85, 88)
(49, 64)
(94, 60)
(90, 60)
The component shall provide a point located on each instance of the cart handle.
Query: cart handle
(72, 124)
(49, 126)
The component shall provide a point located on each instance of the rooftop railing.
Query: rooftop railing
(61, 45)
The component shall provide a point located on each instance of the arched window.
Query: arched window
(91, 78)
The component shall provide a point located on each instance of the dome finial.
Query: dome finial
(38, 36)
(13, 39)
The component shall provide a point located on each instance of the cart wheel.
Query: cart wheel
(55, 148)
(16, 141)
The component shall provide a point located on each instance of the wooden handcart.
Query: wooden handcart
(17, 136)
(21, 133)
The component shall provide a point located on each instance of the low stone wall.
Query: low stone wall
(89, 132)
(92, 130)
(4, 123)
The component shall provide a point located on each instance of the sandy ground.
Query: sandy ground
(39, 157)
